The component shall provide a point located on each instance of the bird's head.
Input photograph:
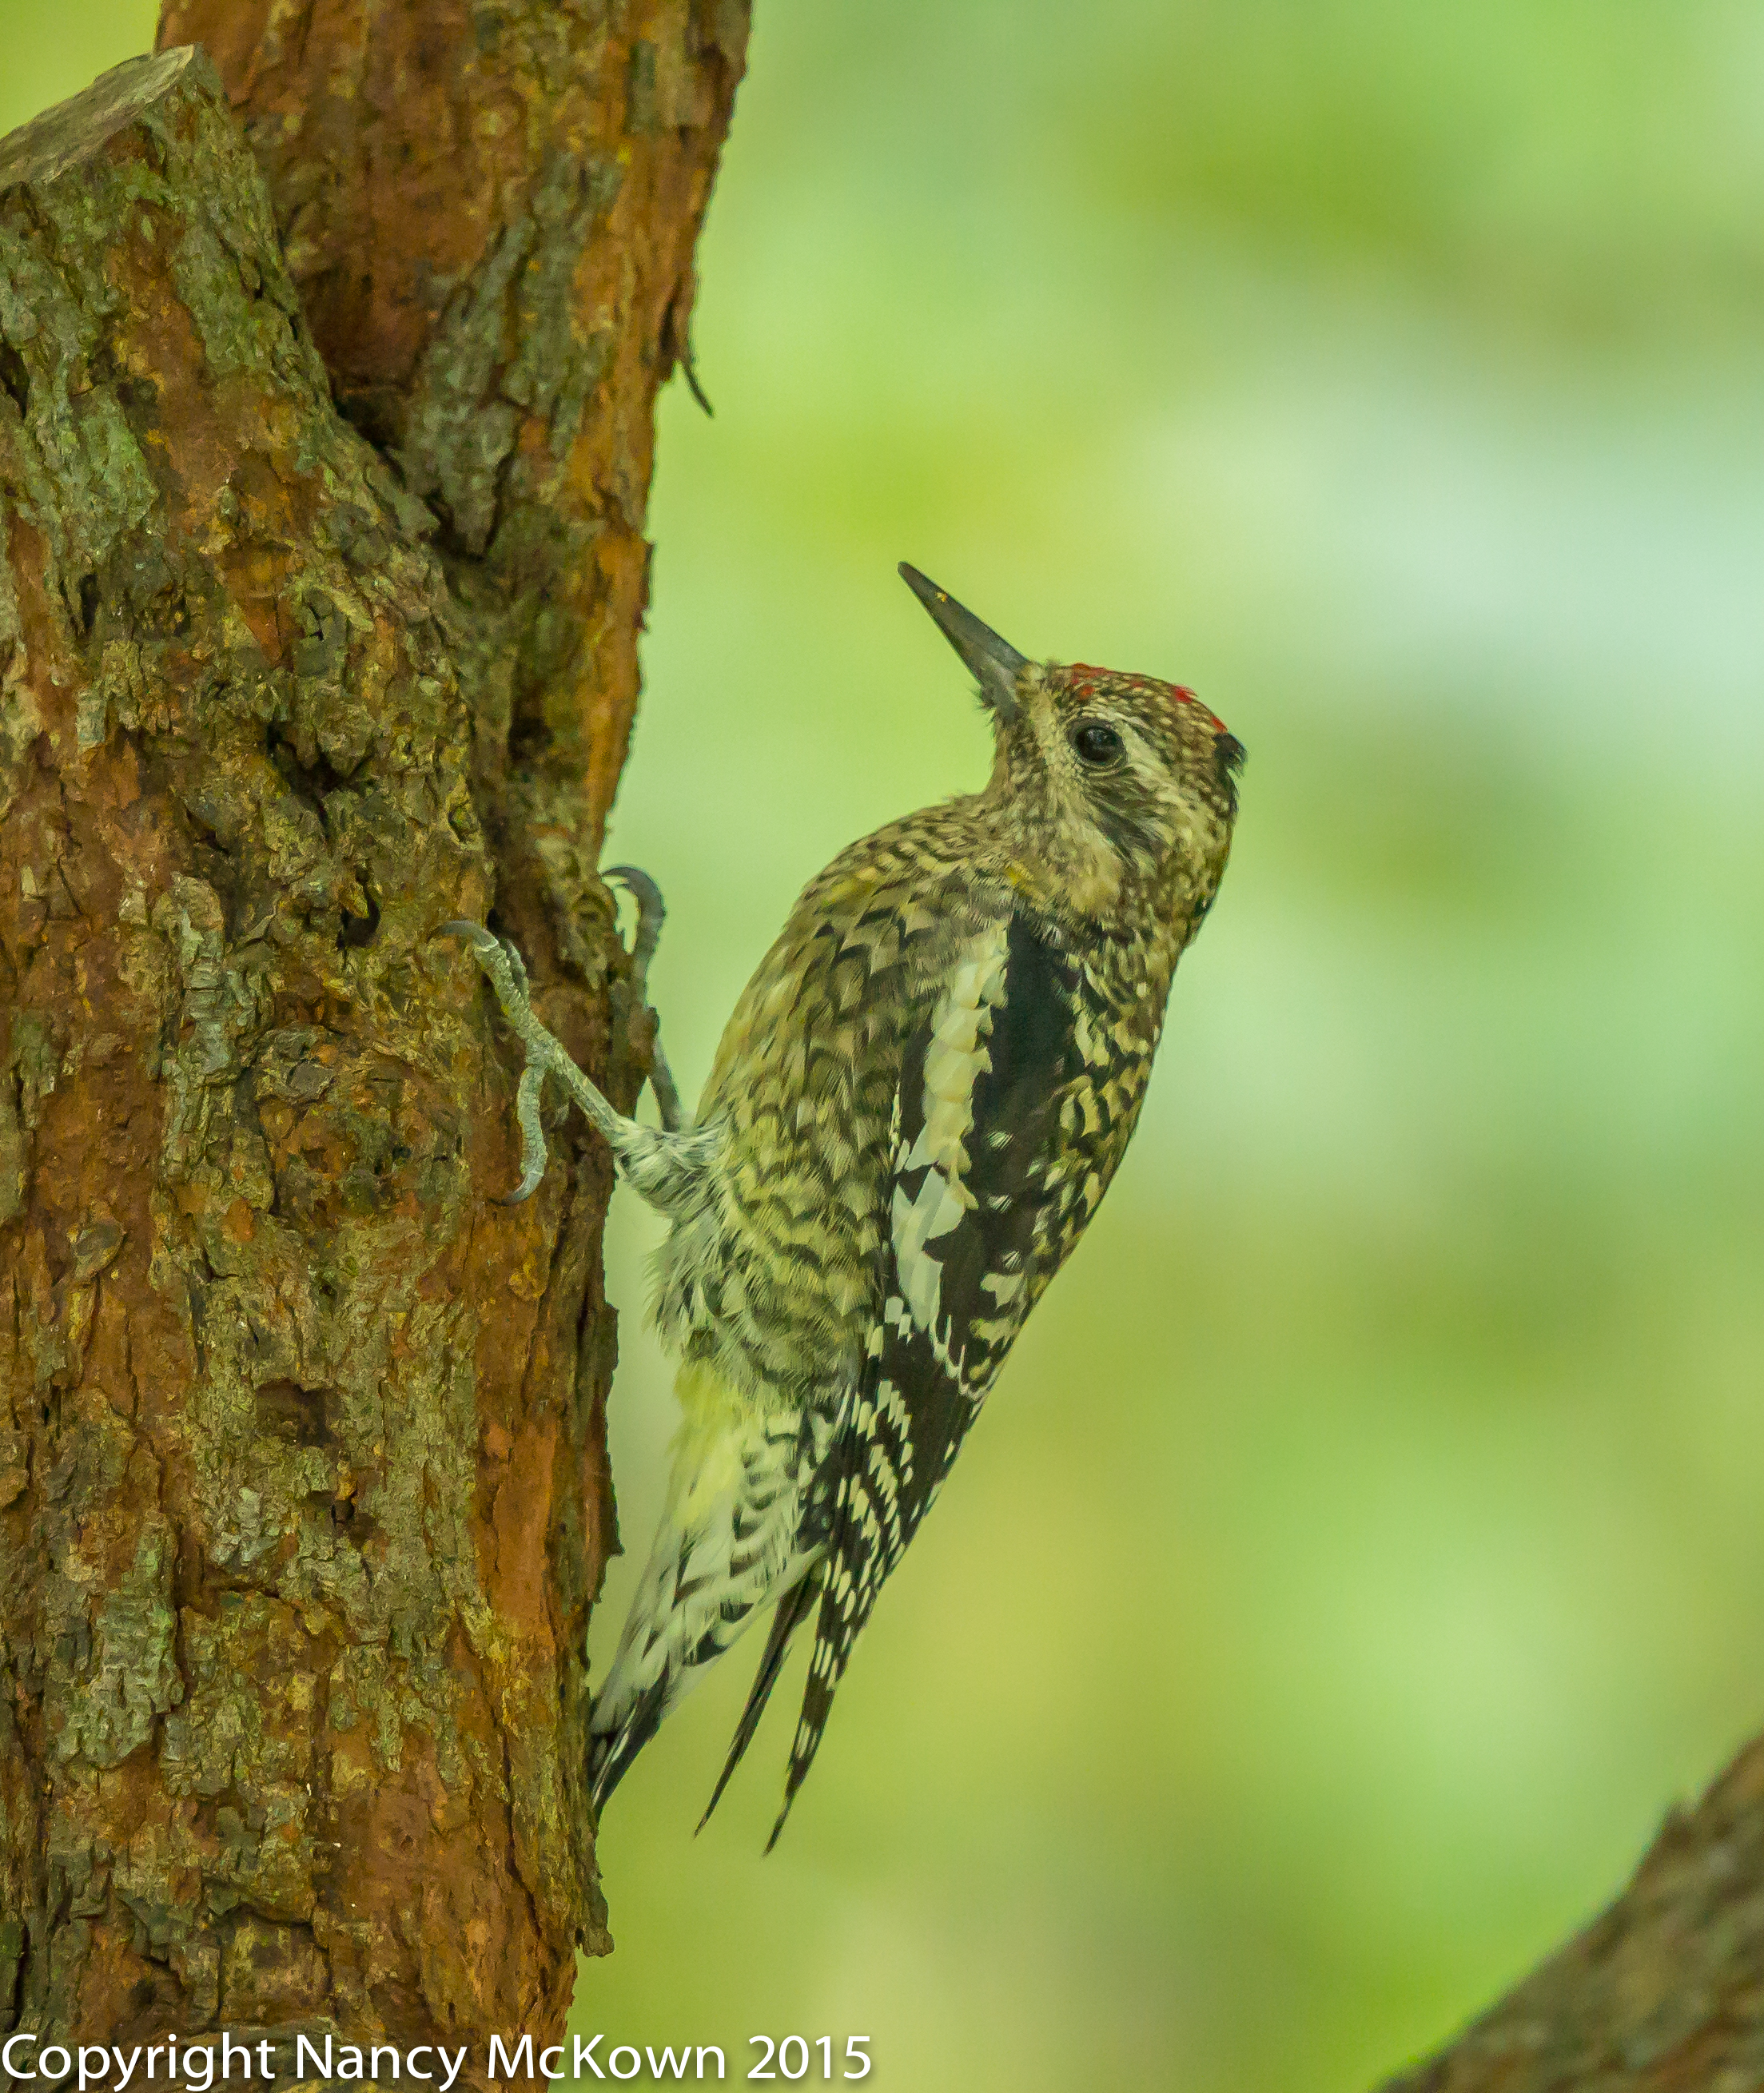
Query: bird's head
(1109, 792)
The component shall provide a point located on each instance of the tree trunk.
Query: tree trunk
(303, 1490)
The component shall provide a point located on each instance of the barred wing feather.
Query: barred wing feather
(974, 1185)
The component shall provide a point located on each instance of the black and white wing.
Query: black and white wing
(992, 1179)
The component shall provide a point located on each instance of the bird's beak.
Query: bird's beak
(995, 664)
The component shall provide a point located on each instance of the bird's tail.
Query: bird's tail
(848, 1580)
(730, 1540)
(793, 1609)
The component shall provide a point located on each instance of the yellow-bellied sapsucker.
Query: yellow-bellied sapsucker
(915, 1108)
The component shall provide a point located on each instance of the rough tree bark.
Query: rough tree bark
(303, 1496)
(1662, 1993)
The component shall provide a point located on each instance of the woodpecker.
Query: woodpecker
(915, 1108)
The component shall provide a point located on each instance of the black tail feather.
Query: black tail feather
(791, 1611)
(836, 1632)
(611, 1752)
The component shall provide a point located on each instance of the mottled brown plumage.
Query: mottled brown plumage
(916, 1106)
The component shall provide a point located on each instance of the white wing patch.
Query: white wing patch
(954, 1061)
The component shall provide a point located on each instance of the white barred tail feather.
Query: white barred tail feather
(731, 1539)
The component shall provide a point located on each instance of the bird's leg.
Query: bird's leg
(651, 915)
(660, 1166)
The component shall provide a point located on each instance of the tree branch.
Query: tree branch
(1663, 1993)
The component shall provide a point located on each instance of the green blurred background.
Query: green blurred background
(1362, 1550)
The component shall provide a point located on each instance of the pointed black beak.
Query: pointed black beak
(995, 664)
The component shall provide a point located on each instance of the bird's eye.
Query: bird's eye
(1096, 743)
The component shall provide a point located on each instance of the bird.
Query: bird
(915, 1108)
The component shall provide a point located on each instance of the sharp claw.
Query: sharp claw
(652, 913)
(474, 934)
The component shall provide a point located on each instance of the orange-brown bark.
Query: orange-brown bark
(490, 209)
(303, 1498)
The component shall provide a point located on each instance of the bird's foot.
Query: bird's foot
(506, 973)
(667, 1168)
(651, 915)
